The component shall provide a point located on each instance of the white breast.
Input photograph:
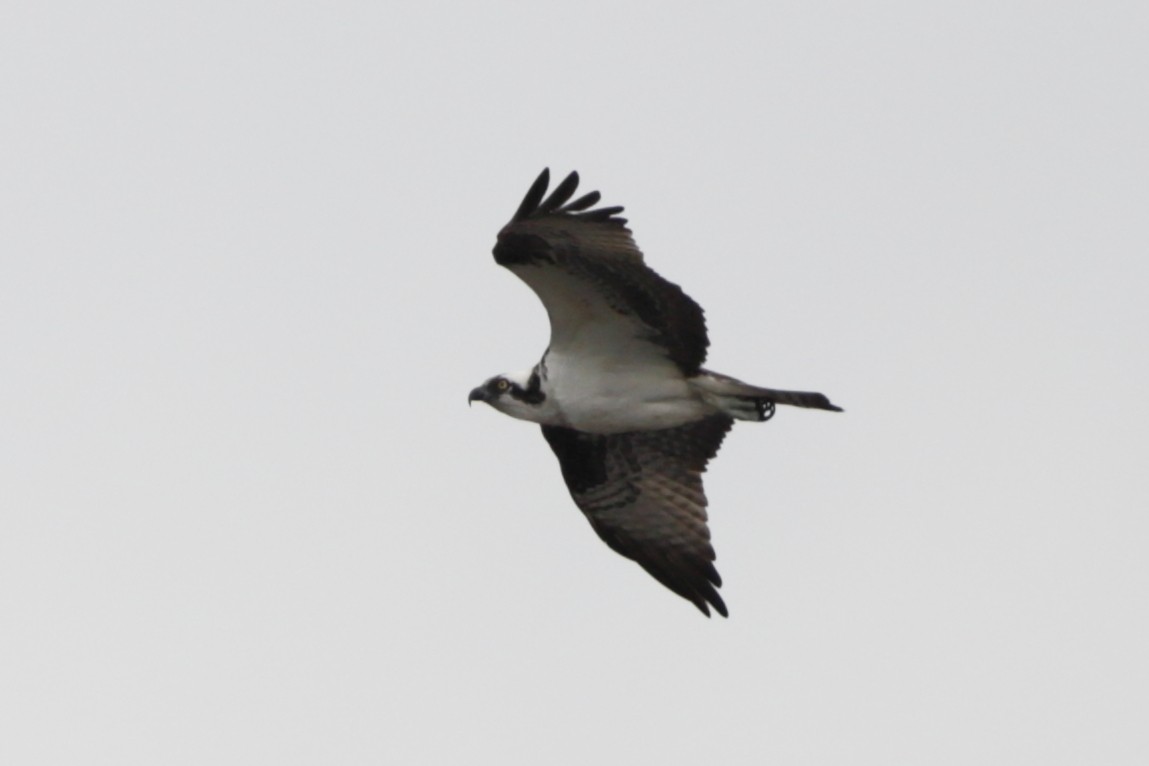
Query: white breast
(617, 393)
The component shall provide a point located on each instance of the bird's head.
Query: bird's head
(519, 395)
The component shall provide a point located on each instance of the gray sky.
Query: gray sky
(245, 286)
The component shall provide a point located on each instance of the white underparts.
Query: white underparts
(625, 397)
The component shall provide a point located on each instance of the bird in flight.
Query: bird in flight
(620, 392)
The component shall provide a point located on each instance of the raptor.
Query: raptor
(620, 392)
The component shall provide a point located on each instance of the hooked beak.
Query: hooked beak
(476, 395)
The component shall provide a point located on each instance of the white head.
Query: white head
(521, 395)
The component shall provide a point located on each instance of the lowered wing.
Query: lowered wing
(642, 493)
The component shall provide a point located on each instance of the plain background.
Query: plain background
(245, 286)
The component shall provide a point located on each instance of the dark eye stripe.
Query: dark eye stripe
(532, 394)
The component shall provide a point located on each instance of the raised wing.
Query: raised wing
(589, 274)
(642, 493)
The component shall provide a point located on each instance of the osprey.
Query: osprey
(620, 392)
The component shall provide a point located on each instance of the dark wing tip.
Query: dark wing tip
(583, 202)
(708, 592)
(705, 597)
(606, 214)
(694, 579)
(561, 193)
(535, 206)
(534, 196)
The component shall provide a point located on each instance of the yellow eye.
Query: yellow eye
(502, 385)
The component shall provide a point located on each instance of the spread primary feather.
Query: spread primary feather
(620, 393)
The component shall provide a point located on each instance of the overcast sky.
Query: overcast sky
(246, 515)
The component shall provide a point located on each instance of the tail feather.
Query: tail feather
(809, 399)
(746, 402)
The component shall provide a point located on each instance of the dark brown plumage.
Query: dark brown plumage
(621, 394)
(642, 493)
(596, 248)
